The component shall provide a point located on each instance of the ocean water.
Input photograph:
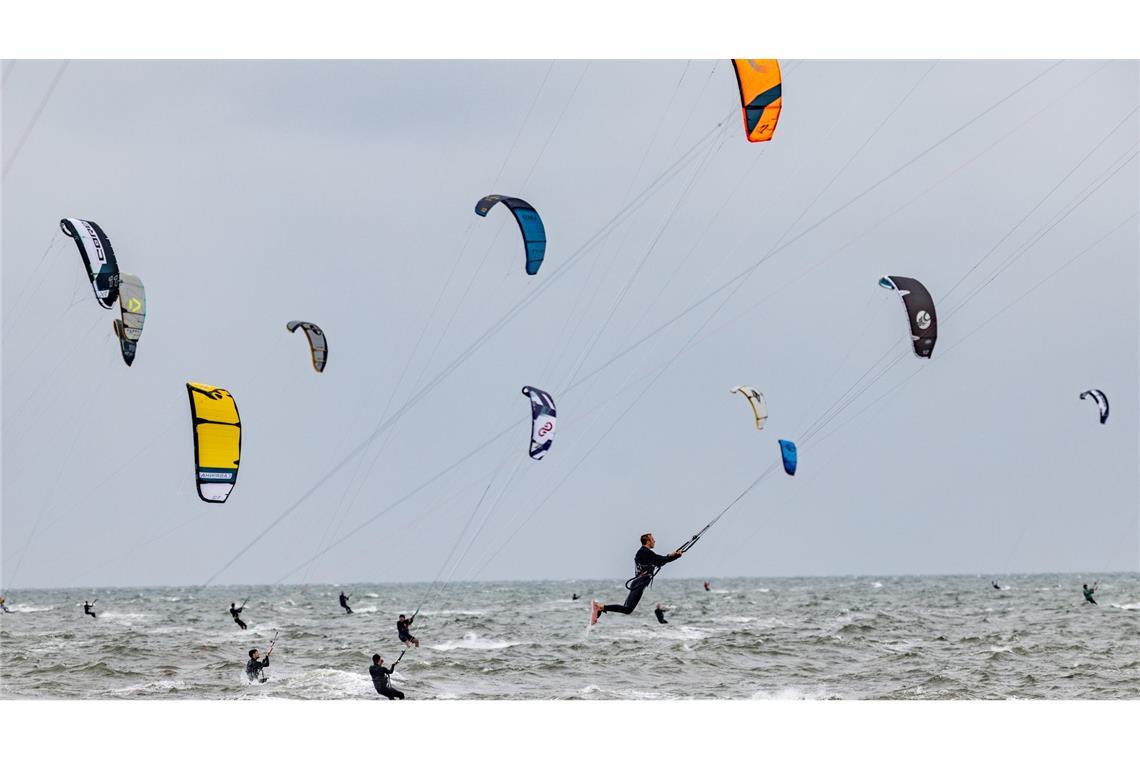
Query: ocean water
(948, 637)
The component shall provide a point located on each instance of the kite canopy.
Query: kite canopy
(760, 98)
(530, 224)
(318, 344)
(132, 302)
(98, 257)
(756, 400)
(542, 419)
(217, 440)
(1101, 402)
(788, 453)
(920, 314)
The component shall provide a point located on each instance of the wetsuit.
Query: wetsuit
(1088, 592)
(994, 583)
(645, 564)
(382, 680)
(660, 613)
(405, 635)
(253, 669)
(87, 609)
(344, 603)
(235, 613)
(573, 597)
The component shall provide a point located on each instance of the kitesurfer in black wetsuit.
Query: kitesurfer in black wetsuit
(344, 603)
(1088, 592)
(645, 565)
(995, 585)
(574, 597)
(382, 678)
(706, 585)
(660, 613)
(235, 611)
(406, 635)
(254, 667)
(87, 608)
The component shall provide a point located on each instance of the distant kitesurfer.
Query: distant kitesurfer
(344, 603)
(3, 604)
(382, 678)
(1088, 592)
(254, 667)
(707, 586)
(995, 585)
(87, 608)
(574, 597)
(660, 613)
(645, 564)
(405, 635)
(235, 611)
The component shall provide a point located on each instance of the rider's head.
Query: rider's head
(648, 540)
(253, 653)
(377, 659)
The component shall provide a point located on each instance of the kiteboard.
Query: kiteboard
(594, 607)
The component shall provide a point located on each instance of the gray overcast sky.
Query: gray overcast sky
(246, 194)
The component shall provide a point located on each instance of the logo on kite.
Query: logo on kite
(922, 319)
(542, 420)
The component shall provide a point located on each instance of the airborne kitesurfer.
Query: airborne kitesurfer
(235, 611)
(1088, 592)
(405, 635)
(660, 613)
(87, 608)
(344, 603)
(995, 585)
(645, 563)
(382, 678)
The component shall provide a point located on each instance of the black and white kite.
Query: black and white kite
(1101, 402)
(920, 312)
(542, 415)
(98, 257)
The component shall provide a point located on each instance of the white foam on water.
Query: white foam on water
(1127, 606)
(678, 633)
(876, 584)
(472, 641)
(372, 596)
(28, 608)
(792, 693)
(151, 686)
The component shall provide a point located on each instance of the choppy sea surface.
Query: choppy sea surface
(950, 637)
